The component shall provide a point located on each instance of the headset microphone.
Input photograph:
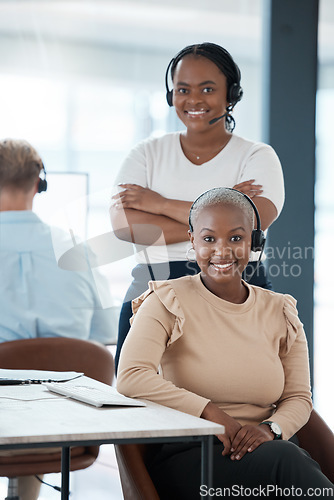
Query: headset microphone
(214, 120)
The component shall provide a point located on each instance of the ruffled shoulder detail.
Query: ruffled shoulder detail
(293, 322)
(137, 302)
(167, 296)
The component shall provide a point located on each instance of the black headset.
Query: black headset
(258, 236)
(169, 93)
(42, 183)
(234, 92)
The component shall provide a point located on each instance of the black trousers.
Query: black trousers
(143, 273)
(275, 469)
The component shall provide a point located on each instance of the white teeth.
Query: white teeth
(196, 112)
(222, 266)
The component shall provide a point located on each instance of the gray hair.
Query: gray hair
(224, 196)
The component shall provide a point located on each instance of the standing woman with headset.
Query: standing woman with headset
(162, 176)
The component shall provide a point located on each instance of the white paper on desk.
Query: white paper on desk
(38, 375)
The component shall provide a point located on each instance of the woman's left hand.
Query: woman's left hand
(248, 438)
(139, 198)
(249, 188)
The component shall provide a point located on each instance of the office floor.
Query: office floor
(100, 481)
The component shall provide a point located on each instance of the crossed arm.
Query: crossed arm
(138, 205)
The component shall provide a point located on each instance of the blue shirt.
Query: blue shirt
(38, 298)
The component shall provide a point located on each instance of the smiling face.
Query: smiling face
(200, 90)
(221, 239)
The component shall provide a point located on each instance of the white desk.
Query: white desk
(64, 422)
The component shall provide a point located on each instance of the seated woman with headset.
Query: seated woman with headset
(229, 352)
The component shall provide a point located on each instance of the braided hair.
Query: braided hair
(225, 63)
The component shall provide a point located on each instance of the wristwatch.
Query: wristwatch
(275, 428)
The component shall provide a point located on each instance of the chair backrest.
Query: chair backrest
(59, 354)
(318, 440)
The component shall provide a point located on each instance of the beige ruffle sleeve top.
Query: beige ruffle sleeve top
(186, 347)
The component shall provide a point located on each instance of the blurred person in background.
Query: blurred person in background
(38, 298)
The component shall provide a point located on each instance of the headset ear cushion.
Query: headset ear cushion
(235, 93)
(258, 240)
(42, 185)
(169, 97)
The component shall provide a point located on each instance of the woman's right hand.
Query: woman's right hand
(249, 188)
(213, 413)
(138, 198)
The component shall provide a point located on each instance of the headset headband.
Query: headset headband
(258, 236)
